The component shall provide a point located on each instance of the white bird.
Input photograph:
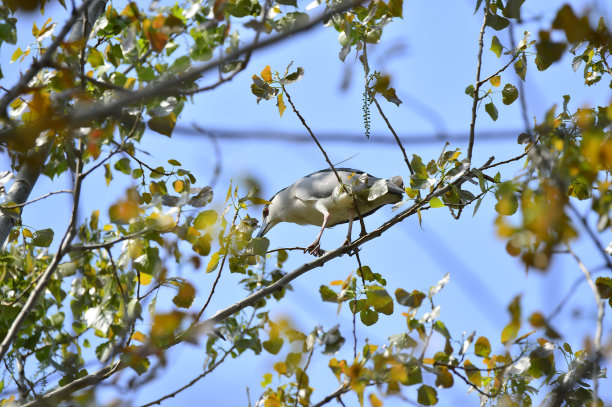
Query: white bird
(319, 199)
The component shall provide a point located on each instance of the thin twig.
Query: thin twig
(21, 205)
(111, 243)
(344, 388)
(585, 224)
(193, 381)
(478, 84)
(301, 378)
(600, 315)
(397, 139)
(488, 78)
(469, 383)
(212, 290)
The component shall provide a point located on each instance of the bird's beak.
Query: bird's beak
(264, 228)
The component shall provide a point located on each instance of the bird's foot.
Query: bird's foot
(315, 250)
(352, 252)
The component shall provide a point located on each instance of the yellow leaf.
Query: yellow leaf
(336, 282)
(280, 367)
(213, 263)
(138, 336)
(375, 401)
(107, 228)
(496, 80)
(473, 373)
(281, 104)
(178, 185)
(145, 279)
(27, 233)
(266, 74)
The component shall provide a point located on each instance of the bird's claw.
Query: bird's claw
(315, 250)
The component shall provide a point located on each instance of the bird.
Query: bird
(319, 199)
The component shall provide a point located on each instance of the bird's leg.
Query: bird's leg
(361, 222)
(351, 215)
(315, 247)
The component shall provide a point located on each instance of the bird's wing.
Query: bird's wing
(315, 186)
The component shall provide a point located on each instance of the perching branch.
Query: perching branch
(104, 373)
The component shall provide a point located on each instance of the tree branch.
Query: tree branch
(478, 84)
(41, 286)
(102, 374)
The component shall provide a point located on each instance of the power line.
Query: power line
(337, 137)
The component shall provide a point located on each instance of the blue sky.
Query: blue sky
(430, 55)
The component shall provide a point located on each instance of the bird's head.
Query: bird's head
(268, 219)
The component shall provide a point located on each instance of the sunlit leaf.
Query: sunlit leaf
(427, 395)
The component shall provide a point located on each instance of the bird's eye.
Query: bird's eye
(265, 212)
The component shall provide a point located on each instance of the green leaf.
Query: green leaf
(470, 91)
(273, 345)
(163, 124)
(379, 299)
(427, 395)
(288, 2)
(43, 238)
(507, 205)
(368, 316)
(391, 96)
(123, 165)
(439, 327)
(472, 373)
(185, 296)
(478, 3)
(205, 219)
(202, 245)
(482, 347)
(491, 110)
(412, 300)
(258, 246)
(332, 340)
(497, 22)
(513, 9)
(137, 173)
(327, 294)
(108, 174)
(520, 67)
(436, 202)
(8, 33)
(396, 8)
(146, 73)
(604, 286)
(402, 341)
(509, 94)
(496, 46)
(174, 163)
